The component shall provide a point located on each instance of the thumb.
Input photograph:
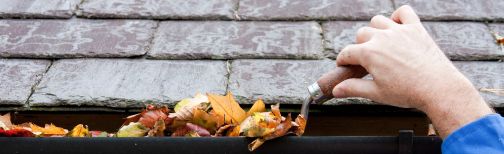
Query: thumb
(355, 87)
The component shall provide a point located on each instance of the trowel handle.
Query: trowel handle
(321, 91)
(329, 80)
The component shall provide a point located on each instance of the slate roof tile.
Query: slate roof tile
(74, 38)
(158, 9)
(312, 9)
(17, 77)
(37, 8)
(234, 40)
(456, 9)
(123, 83)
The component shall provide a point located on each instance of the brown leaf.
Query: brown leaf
(5, 121)
(499, 39)
(255, 144)
(257, 107)
(149, 116)
(158, 129)
(301, 125)
(280, 130)
(223, 129)
(189, 129)
(227, 107)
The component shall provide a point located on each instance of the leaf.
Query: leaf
(203, 119)
(227, 107)
(223, 129)
(234, 132)
(5, 121)
(134, 129)
(301, 125)
(191, 128)
(259, 124)
(79, 131)
(98, 134)
(158, 129)
(257, 107)
(48, 130)
(184, 108)
(16, 133)
(499, 39)
(149, 116)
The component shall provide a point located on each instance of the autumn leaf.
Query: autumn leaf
(227, 107)
(301, 125)
(494, 91)
(149, 116)
(158, 129)
(79, 131)
(5, 121)
(98, 134)
(190, 129)
(203, 119)
(259, 124)
(257, 107)
(184, 109)
(16, 133)
(500, 39)
(134, 129)
(48, 130)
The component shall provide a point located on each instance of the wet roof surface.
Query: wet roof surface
(124, 53)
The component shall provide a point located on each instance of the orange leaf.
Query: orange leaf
(257, 107)
(227, 107)
(205, 120)
(79, 131)
(301, 121)
(48, 129)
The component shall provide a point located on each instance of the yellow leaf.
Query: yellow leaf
(227, 107)
(48, 129)
(79, 131)
(257, 107)
(205, 120)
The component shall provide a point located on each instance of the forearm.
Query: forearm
(450, 112)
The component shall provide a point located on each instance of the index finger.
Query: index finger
(405, 15)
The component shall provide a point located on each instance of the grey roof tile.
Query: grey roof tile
(74, 38)
(312, 9)
(17, 77)
(158, 9)
(233, 40)
(122, 83)
(37, 8)
(456, 9)
(489, 75)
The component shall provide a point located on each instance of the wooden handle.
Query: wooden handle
(329, 80)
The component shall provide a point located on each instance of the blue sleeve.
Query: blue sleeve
(485, 135)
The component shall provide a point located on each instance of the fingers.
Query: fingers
(356, 88)
(405, 15)
(364, 34)
(381, 22)
(351, 55)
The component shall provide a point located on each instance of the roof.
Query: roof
(120, 54)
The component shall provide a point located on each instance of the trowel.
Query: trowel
(321, 91)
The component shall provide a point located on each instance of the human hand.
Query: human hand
(410, 70)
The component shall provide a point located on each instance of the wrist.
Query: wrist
(450, 112)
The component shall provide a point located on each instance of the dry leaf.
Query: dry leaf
(227, 107)
(184, 108)
(98, 134)
(257, 107)
(259, 124)
(5, 121)
(203, 119)
(279, 131)
(158, 129)
(189, 129)
(134, 129)
(48, 130)
(301, 125)
(499, 39)
(16, 133)
(79, 131)
(149, 116)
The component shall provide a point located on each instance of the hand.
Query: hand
(410, 70)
